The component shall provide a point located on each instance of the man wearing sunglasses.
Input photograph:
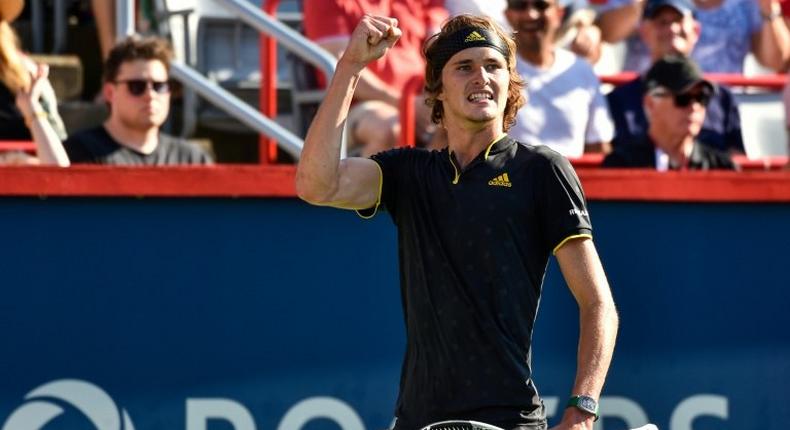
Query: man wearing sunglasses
(669, 28)
(675, 102)
(566, 109)
(137, 90)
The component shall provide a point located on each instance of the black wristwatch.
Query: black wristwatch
(585, 404)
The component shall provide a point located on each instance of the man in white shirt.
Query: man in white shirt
(494, 9)
(566, 109)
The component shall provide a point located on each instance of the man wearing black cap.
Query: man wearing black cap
(477, 223)
(675, 102)
(669, 28)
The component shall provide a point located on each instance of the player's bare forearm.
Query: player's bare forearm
(598, 320)
(597, 334)
(596, 342)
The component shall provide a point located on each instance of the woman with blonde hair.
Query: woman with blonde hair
(28, 107)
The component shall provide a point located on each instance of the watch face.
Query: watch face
(588, 404)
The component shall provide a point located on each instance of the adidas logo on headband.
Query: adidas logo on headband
(447, 45)
(474, 37)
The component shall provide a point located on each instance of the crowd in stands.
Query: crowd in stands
(136, 88)
(668, 117)
(669, 28)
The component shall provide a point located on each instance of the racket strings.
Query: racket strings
(461, 425)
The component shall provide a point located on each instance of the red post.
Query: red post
(267, 147)
(773, 82)
(408, 124)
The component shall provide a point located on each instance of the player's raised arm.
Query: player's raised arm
(321, 177)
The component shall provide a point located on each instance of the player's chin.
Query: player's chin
(484, 115)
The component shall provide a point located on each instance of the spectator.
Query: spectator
(675, 102)
(494, 9)
(28, 107)
(137, 90)
(669, 28)
(730, 30)
(374, 123)
(733, 28)
(618, 21)
(578, 33)
(565, 109)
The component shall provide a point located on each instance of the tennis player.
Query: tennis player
(477, 223)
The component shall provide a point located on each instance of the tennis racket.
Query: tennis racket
(460, 425)
(476, 425)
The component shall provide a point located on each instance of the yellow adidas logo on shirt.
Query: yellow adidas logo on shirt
(501, 181)
(474, 37)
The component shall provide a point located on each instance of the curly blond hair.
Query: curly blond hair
(433, 74)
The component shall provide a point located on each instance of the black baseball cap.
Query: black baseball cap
(685, 7)
(676, 73)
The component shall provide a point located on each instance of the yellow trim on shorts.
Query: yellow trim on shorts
(378, 198)
(575, 236)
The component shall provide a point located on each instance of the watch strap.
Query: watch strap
(578, 402)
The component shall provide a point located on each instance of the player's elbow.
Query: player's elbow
(602, 308)
(305, 191)
(312, 191)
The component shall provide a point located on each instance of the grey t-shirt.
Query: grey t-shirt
(96, 146)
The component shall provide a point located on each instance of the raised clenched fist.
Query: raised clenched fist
(371, 39)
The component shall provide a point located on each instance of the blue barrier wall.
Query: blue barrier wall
(247, 314)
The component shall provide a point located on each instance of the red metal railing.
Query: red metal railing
(408, 123)
(587, 161)
(18, 145)
(267, 146)
(229, 181)
(773, 82)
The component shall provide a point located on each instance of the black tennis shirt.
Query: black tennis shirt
(473, 247)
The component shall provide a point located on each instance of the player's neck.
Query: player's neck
(466, 144)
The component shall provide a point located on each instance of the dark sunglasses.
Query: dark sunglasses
(685, 99)
(138, 87)
(539, 5)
